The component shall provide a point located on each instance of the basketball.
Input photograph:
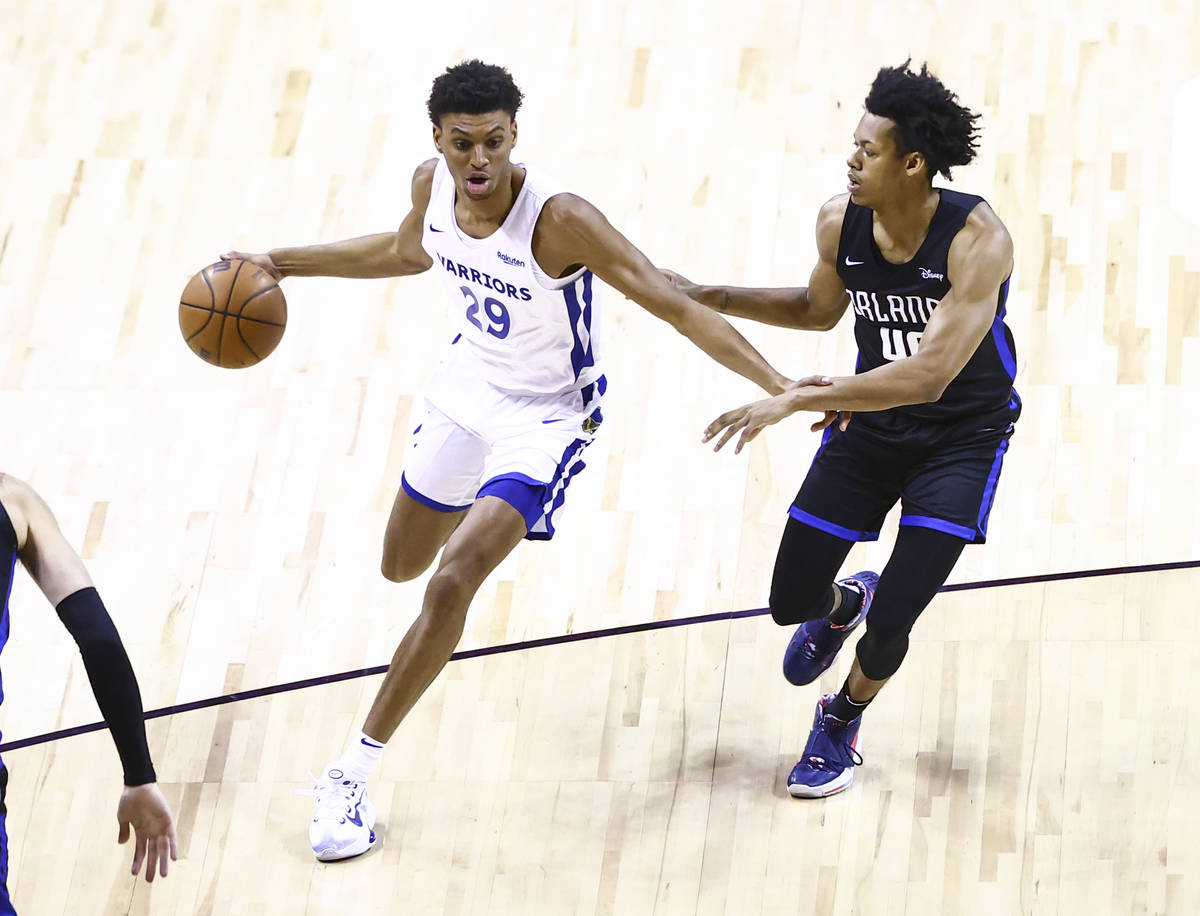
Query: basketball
(232, 314)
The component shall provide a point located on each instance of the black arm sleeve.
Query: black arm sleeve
(112, 678)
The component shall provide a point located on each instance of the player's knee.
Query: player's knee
(783, 611)
(790, 606)
(880, 652)
(449, 592)
(397, 567)
(444, 612)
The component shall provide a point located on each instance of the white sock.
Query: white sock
(360, 757)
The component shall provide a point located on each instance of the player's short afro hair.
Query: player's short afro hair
(930, 119)
(473, 87)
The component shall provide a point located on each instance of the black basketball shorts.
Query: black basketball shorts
(943, 475)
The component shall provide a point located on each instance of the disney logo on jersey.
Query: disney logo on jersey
(927, 274)
(510, 260)
(486, 280)
(894, 309)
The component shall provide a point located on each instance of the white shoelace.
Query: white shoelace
(334, 799)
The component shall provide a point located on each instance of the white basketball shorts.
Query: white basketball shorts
(482, 441)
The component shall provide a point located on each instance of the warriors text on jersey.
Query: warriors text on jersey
(518, 329)
(892, 304)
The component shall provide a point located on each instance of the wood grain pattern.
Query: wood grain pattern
(1032, 755)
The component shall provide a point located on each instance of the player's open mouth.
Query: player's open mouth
(852, 185)
(477, 183)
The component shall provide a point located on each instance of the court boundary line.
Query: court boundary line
(563, 639)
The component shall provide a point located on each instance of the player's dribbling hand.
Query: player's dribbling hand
(752, 418)
(258, 260)
(145, 809)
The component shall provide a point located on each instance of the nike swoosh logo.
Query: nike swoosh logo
(431, 229)
(849, 263)
(356, 818)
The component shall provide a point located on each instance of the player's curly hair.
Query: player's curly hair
(473, 87)
(930, 119)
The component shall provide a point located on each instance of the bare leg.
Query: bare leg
(491, 529)
(861, 687)
(415, 533)
(476, 540)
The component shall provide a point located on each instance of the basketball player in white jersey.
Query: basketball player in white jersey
(517, 399)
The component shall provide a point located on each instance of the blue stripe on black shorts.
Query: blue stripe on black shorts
(943, 475)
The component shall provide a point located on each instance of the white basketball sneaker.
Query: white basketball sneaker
(342, 826)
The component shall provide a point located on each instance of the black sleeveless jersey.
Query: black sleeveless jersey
(892, 304)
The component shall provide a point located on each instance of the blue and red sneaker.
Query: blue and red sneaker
(815, 644)
(830, 756)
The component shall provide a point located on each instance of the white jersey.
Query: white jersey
(518, 329)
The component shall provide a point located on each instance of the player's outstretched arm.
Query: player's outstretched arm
(572, 232)
(979, 262)
(816, 307)
(63, 579)
(385, 254)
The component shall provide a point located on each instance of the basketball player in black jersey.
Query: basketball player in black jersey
(926, 272)
(29, 532)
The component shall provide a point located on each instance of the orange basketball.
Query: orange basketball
(232, 314)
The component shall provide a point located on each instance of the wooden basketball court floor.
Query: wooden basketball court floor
(1036, 753)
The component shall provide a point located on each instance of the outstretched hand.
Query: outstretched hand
(680, 282)
(258, 260)
(145, 809)
(842, 417)
(751, 419)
